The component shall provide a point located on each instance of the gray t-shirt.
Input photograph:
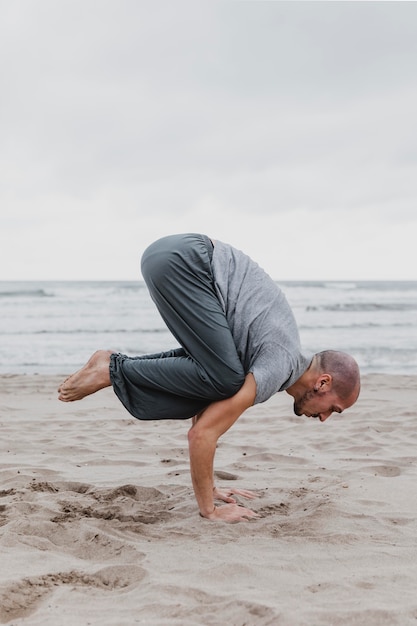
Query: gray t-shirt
(261, 321)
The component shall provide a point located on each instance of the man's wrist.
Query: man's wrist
(209, 514)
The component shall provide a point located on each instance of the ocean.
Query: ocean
(53, 327)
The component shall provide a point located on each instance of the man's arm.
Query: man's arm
(202, 441)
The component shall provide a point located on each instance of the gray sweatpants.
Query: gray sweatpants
(181, 382)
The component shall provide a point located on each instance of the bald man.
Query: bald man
(239, 346)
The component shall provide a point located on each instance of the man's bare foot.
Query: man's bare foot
(93, 376)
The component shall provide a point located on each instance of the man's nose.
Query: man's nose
(323, 416)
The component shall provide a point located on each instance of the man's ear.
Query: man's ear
(323, 383)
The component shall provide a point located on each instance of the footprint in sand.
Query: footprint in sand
(20, 599)
(80, 519)
(128, 503)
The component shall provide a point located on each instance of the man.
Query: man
(239, 345)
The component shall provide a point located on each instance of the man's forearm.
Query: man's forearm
(215, 420)
(202, 451)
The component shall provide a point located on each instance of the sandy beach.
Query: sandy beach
(98, 523)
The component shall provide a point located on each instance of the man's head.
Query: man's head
(330, 385)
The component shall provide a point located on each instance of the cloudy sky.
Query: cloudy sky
(288, 129)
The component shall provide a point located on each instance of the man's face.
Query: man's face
(319, 404)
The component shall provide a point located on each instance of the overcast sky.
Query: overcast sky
(288, 129)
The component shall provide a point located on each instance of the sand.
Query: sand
(99, 526)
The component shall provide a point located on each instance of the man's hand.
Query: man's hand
(231, 513)
(226, 494)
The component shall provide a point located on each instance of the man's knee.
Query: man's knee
(154, 262)
(229, 384)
